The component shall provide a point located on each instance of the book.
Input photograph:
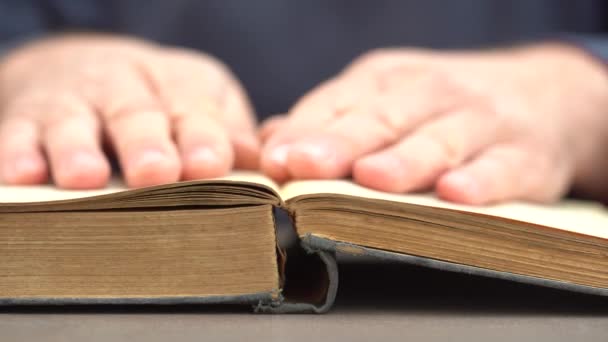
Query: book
(215, 241)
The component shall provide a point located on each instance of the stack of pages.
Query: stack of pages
(214, 241)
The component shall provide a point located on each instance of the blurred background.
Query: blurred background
(281, 49)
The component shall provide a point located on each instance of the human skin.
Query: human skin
(526, 123)
(168, 114)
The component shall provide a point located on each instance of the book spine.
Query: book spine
(322, 289)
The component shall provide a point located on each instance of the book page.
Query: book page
(49, 192)
(589, 218)
(251, 177)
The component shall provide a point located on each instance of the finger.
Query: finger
(374, 123)
(144, 147)
(204, 147)
(197, 90)
(72, 140)
(241, 124)
(270, 126)
(418, 159)
(138, 129)
(21, 158)
(314, 110)
(505, 172)
(310, 113)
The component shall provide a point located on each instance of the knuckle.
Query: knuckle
(391, 121)
(372, 59)
(448, 146)
(130, 112)
(53, 123)
(100, 72)
(496, 119)
(191, 74)
(12, 127)
(131, 125)
(48, 107)
(98, 81)
(438, 81)
(124, 105)
(482, 104)
(437, 77)
(194, 107)
(415, 77)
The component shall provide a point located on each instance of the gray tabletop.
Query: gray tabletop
(387, 301)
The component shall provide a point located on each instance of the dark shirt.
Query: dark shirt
(280, 48)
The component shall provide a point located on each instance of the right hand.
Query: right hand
(477, 126)
(169, 114)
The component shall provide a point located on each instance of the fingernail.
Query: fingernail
(279, 155)
(387, 172)
(318, 150)
(203, 155)
(312, 150)
(149, 157)
(81, 159)
(464, 183)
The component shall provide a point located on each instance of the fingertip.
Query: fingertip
(322, 157)
(247, 149)
(82, 170)
(310, 160)
(152, 167)
(204, 162)
(459, 187)
(273, 162)
(27, 169)
(381, 172)
(275, 152)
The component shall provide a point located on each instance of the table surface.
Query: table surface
(387, 301)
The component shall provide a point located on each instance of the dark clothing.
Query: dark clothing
(281, 49)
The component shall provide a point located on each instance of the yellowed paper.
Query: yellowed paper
(252, 177)
(582, 217)
(587, 218)
(48, 192)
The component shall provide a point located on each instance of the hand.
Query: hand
(167, 113)
(479, 127)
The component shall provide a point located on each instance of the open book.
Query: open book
(214, 241)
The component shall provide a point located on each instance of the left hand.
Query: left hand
(480, 126)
